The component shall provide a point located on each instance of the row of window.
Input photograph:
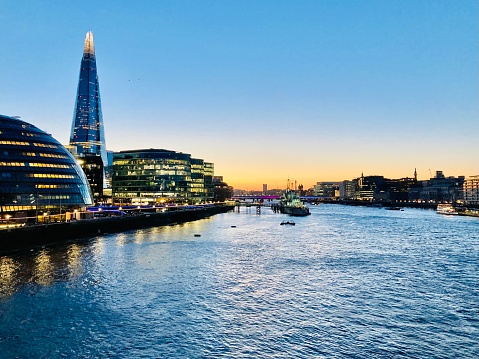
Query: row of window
(23, 143)
(48, 175)
(33, 164)
(17, 143)
(48, 155)
(52, 186)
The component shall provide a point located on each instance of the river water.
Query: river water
(345, 282)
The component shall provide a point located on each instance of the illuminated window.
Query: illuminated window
(49, 165)
(18, 143)
(47, 145)
(48, 175)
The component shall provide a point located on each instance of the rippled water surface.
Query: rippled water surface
(345, 282)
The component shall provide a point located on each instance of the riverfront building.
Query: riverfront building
(439, 189)
(471, 190)
(158, 176)
(326, 189)
(37, 172)
(87, 132)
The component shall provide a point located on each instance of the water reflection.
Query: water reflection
(8, 267)
(49, 265)
(43, 267)
(74, 261)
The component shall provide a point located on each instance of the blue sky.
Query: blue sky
(267, 90)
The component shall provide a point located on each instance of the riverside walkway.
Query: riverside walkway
(27, 237)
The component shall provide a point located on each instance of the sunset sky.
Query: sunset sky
(268, 90)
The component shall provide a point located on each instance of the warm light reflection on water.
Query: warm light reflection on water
(43, 270)
(74, 260)
(8, 267)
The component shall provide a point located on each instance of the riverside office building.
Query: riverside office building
(152, 176)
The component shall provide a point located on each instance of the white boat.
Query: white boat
(446, 209)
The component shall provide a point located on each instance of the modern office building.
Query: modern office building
(157, 176)
(37, 172)
(87, 133)
(198, 189)
(209, 169)
(471, 190)
(326, 189)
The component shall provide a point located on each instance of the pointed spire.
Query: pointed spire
(89, 47)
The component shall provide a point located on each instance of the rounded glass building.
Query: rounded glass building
(36, 171)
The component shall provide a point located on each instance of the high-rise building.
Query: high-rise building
(87, 133)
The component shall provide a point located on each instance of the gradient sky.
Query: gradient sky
(266, 89)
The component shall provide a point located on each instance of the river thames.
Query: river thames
(345, 282)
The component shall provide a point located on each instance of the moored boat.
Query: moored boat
(446, 209)
(291, 204)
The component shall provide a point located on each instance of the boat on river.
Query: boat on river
(446, 209)
(291, 204)
(289, 223)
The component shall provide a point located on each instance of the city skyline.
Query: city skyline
(311, 91)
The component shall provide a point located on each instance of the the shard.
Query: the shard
(87, 134)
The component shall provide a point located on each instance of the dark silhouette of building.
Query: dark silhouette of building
(222, 191)
(439, 189)
(92, 165)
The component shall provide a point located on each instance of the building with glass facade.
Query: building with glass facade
(209, 170)
(158, 175)
(471, 190)
(36, 171)
(87, 132)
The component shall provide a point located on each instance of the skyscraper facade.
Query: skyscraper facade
(87, 133)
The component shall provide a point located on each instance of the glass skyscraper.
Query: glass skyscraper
(87, 134)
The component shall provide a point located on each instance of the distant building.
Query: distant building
(439, 189)
(209, 170)
(369, 185)
(37, 172)
(326, 189)
(222, 191)
(265, 188)
(87, 133)
(471, 190)
(198, 188)
(348, 189)
(158, 175)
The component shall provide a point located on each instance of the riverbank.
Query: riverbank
(21, 238)
(462, 211)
